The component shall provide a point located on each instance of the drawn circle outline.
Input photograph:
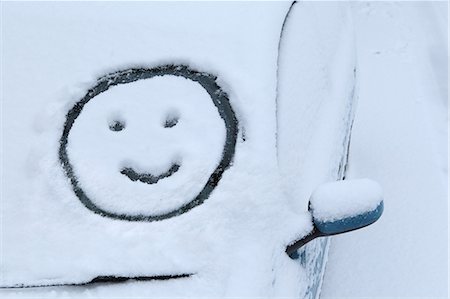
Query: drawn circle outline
(220, 100)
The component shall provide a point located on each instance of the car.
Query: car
(176, 149)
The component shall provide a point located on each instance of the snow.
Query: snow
(52, 54)
(399, 139)
(233, 243)
(316, 84)
(342, 199)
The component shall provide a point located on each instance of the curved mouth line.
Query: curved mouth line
(148, 178)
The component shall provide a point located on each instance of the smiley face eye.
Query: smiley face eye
(117, 126)
(171, 121)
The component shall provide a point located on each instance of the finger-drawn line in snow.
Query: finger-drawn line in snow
(103, 279)
(219, 99)
(148, 178)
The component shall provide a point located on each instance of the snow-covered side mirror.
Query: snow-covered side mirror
(340, 207)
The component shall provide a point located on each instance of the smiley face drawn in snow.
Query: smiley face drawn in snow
(148, 144)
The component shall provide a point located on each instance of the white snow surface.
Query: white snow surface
(342, 199)
(52, 54)
(399, 139)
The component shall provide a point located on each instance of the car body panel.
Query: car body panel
(53, 53)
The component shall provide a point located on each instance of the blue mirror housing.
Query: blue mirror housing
(350, 223)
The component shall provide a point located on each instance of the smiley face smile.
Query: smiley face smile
(148, 178)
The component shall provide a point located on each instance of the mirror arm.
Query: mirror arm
(291, 250)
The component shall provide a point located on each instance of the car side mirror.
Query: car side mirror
(341, 207)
